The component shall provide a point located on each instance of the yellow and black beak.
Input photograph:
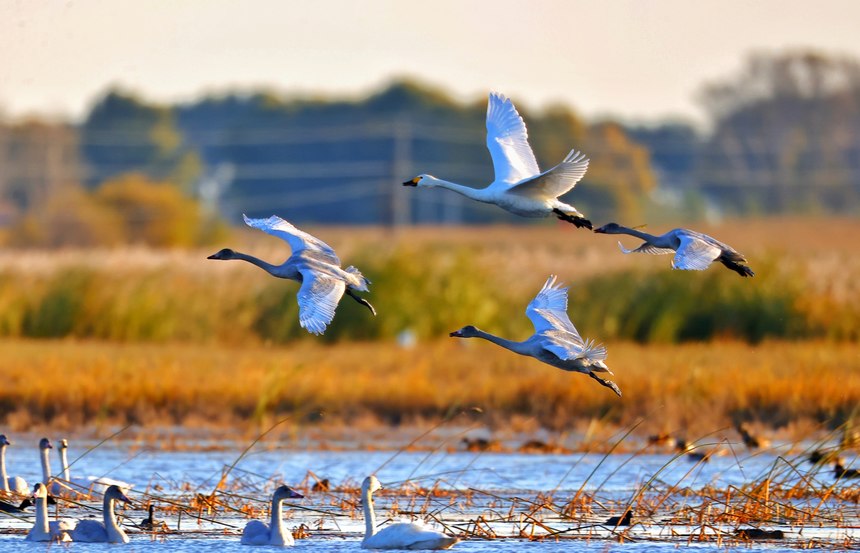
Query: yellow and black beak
(413, 182)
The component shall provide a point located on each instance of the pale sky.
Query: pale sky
(635, 59)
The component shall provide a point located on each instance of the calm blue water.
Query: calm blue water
(612, 480)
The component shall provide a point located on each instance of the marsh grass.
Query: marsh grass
(689, 387)
(431, 281)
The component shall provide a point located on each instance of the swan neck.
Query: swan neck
(41, 524)
(469, 192)
(64, 462)
(277, 523)
(115, 533)
(638, 234)
(46, 466)
(5, 484)
(369, 516)
(516, 347)
(266, 266)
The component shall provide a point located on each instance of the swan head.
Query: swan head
(286, 492)
(40, 491)
(609, 228)
(64, 444)
(370, 484)
(115, 492)
(4, 440)
(45, 443)
(226, 253)
(421, 180)
(468, 331)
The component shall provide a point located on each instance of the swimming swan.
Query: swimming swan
(43, 529)
(402, 535)
(315, 265)
(90, 530)
(13, 484)
(556, 341)
(519, 186)
(693, 250)
(274, 533)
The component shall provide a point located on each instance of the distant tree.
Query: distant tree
(152, 213)
(786, 134)
(69, 218)
(123, 134)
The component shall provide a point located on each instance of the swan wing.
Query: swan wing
(318, 298)
(508, 142)
(297, 239)
(89, 530)
(695, 254)
(647, 248)
(406, 535)
(548, 310)
(556, 181)
(255, 533)
(568, 346)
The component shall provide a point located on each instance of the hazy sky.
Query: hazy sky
(641, 59)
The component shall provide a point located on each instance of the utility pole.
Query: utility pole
(401, 169)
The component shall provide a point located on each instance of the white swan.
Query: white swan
(556, 341)
(43, 529)
(45, 448)
(13, 484)
(315, 265)
(402, 535)
(90, 530)
(693, 250)
(519, 186)
(88, 485)
(274, 533)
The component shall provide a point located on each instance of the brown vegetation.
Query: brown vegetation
(694, 388)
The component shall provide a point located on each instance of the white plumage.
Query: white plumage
(693, 250)
(401, 535)
(519, 185)
(259, 533)
(314, 264)
(44, 529)
(556, 341)
(13, 484)
(107, 530)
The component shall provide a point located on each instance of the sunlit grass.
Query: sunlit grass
(691, 388)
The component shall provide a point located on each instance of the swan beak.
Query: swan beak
(413, 182)
(213, 256)
(456, 334)
(124, 498)
(600, 230)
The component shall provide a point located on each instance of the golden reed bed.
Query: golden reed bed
(692, 388)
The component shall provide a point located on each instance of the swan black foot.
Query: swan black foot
(578, 222)
(608, 383)
(739, 268)
(361, 300)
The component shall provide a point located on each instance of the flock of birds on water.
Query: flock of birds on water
(520, 188)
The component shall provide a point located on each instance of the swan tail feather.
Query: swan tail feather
(365, 282)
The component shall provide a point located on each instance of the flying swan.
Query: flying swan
(519, 186)
(259, 533)
(402, 535)
(693, 250)
(315, 265)
(556, 341)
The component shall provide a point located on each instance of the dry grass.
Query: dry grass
(693, 388)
